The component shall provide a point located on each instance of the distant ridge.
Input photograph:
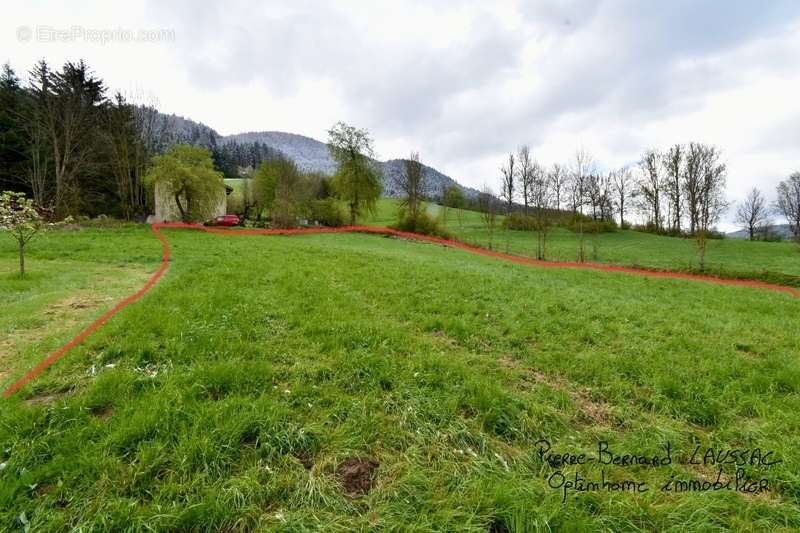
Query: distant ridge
(309, 154)
(783, 230)
(313, 156)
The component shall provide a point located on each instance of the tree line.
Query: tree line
(679, 191)
(73, 147)
(70, 145)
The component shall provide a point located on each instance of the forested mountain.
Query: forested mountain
(309, 154)
(437, 182)
(178, 129)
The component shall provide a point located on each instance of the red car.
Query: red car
(225, 220)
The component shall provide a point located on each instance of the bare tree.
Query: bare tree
(712, 201)
(413, 185)
(508, 190)
(788, 203)
(486, 205)
(673, 164)
(599, 196)
(583, 167)
(692, 182)
(592, 194)
(622, 183)
(558, 183)
(526, 166)
(541, 199)
(38, 174)
(649, 186)
(753, 214)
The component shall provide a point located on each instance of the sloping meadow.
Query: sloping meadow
(340, 382)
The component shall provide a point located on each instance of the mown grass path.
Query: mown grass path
(56, 355)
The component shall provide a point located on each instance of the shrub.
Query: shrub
(423, 224)
(327, 212)
(235, 205)
(519, 221)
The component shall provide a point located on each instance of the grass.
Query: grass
(230, 396)
(68, 283)
(772, 261)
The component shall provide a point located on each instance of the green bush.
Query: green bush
(423, 224)
(235, 205)
(519, 221)
(327, 212)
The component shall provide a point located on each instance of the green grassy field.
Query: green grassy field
(630, 248)
(354, 382)
(770, 261)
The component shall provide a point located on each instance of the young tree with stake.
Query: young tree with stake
(583, 168)
(486, 205)
(453, 198)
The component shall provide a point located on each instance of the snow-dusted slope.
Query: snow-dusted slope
(309, 154)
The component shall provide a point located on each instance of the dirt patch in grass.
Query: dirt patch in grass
(75, 302)
(45, 399)
(357, 475)
(597, 412)
(42, 489)
(443, 337)
(103, 413)
(305, 459)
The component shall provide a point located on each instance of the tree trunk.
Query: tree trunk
(701, 242)
(180, 207)
(21, 259)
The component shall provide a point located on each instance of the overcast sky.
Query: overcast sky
(460, 82)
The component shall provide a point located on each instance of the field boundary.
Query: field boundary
(375, 230)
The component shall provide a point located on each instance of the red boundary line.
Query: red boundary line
(55, 356)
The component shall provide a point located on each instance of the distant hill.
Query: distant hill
(437, 182)
(310, 154)
(174, 129)
(313, 156)
(784, 230)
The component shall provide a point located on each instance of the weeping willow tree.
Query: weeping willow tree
(356, 181)
(186, 175)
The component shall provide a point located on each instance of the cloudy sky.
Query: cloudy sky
(461, 82)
